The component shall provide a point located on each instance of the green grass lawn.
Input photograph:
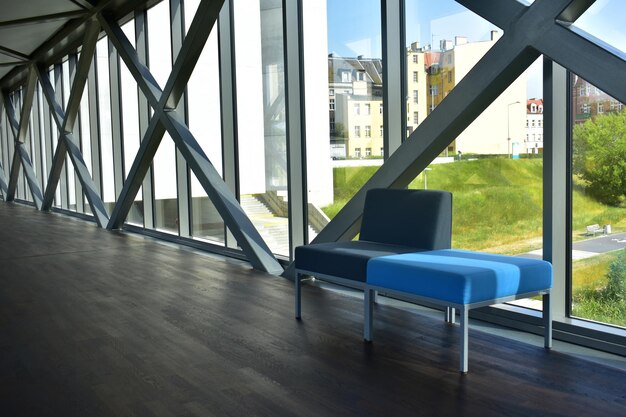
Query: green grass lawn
(497, 202)
(588, 278)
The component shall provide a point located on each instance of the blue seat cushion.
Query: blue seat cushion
(346, 260)
(458, 276)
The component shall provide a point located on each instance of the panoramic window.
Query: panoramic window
(262, 140)
(598, 256)
(345, 58)
(203, 113)
(496, 178)
(164, 164)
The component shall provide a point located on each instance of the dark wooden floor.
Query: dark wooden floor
(94, 323)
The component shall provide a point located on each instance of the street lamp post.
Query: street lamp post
(508, 126)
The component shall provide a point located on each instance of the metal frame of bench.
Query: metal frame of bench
(350, 283)
(450, 314)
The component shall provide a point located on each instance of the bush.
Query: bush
(615, 289)
(600, 157)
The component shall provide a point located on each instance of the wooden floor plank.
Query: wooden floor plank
(94, 323)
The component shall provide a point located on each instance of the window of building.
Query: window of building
(533, 108)
(433, 90)
(368, 109)
(585, 108)
(541, 108)
(357, 131)
(600, 107)
(357, 152)
(449, 76)
(415, 58)
(527, 122)
(582, 90)
(332, 104)
(368, 131)
(532, 123)
(357, 109)
(381, 131)
(414, 76)
(331, 92)
(539, 122)
(415, 96)
(416, 118)
(346, 76)
(368, 151)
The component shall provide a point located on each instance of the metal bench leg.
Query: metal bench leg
(463, 345)
(298, 291)
(368, 303)
(450, 315)
(547, 322)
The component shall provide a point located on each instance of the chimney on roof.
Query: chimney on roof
(331, 55)
(460, 40)
(359, 57)
(415, 46)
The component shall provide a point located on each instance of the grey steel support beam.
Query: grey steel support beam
(589, 57)
(19, 130)
(555, 181)
(117, 109)
(296, 128)
(59, 90)
(228, 103)
(182, 170)
(253, 246)
(394, 86)
(143, 160)
(141, 42)
(195, 39)
(65, 122)
(78, 188)
(14, 173)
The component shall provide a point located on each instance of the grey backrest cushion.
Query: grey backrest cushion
(417, 218)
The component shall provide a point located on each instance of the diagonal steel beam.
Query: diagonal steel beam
(13, 175)
(586, 56)
(4, 186)
(19, 130)
(251, 242)
(65, 123)
(141, 165)
(203, 21)
(499, 67)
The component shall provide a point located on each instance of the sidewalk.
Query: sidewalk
(590, 247)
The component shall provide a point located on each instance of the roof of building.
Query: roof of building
(538, 102)
(373, 68)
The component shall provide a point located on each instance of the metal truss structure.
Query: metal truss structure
(530, 31)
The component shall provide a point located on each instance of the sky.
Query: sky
(354, 28)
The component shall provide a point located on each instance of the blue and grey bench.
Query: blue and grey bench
(457, 279)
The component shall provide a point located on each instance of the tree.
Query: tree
(600, 157)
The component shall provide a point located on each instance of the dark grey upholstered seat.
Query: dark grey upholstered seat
(394, 221)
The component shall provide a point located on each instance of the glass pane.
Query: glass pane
(496, 177)
(164, 172)
(598, 205)
(344, 84)
(261, 133)
(106, 138)
(85, 138)
(203, 112)
(130, 125)
(444, 41)
(604, 20)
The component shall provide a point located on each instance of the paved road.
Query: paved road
(591, 247)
